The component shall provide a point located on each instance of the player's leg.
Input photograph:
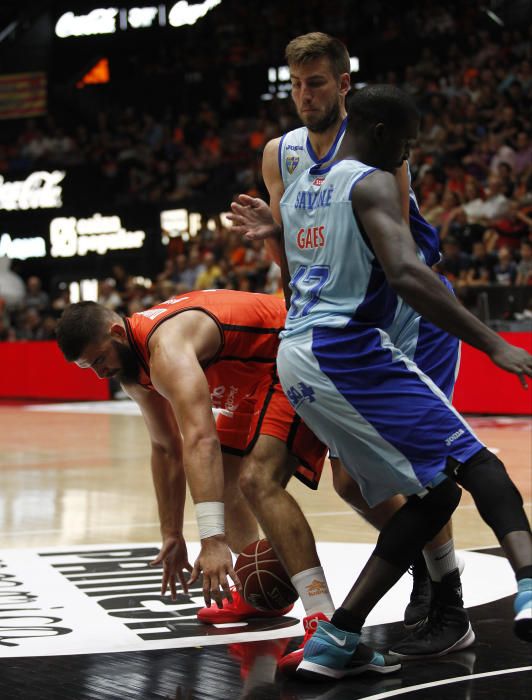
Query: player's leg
(501, 506)
(350, 387)
(241, 526)
(437, 354)
(438, 557)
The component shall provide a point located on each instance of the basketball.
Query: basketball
(265, 583)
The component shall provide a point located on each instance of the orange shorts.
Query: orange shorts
(268, 412)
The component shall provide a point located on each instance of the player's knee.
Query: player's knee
(498, 501)
(416, 523)
(348, 489)
(255, 481)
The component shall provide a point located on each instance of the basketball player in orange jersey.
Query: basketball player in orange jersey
(320, 75)
(178, 361)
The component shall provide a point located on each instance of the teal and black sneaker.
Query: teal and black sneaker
(523, 610)
(334, 653)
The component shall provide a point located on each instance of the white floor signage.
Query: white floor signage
(105, 598)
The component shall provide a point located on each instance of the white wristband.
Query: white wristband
(210, 517)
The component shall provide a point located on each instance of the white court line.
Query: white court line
(447, 681)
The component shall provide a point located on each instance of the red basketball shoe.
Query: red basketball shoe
(237, 611)
(247, 653)
(289, 662)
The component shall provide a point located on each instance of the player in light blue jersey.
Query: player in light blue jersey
(349, 257)
(319, 66)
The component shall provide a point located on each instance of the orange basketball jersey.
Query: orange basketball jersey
(249, 327)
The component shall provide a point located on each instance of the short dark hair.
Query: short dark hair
(81, 324)
(309, 47)
(381, 103)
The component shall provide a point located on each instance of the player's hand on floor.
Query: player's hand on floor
(515, 360)
(174, 558)
(252, 218)
(216, 563)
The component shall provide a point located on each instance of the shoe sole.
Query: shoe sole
(523, 625)
(314, 671)
(464, 642)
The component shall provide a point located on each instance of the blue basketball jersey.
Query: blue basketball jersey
(335, 276)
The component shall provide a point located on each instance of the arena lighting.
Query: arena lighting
(186, 225)
(279, 80)
(182, 13)
(109, 20)
(22, 248)
(85, 290)
(99, 21)
(40, 190)
(70, 237)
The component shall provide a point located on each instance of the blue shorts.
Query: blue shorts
(387, 420)
(433, 350)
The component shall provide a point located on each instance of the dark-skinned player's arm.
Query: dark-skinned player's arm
(176, 373)
(169, 482)
(377, 206)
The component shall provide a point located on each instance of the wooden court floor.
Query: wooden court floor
(81, 478)
(73, 479)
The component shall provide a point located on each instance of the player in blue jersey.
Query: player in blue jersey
(349, 255)
(393, 429)
(319, 66)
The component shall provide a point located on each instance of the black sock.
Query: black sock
(523, 572)
(347, 621)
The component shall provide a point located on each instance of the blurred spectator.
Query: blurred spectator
(12, 288)
(107, 294)
(29, 326)
(481, 266)
(35, 297)
(523, 153)
(61, 299)
(454, 263)
(505, 271)
(524, 267)
(206, 279)
(494, 206)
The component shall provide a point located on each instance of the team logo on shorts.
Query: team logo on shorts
(292, 163)
(299, 393)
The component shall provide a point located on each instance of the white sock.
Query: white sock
(314, 591)
(440, 561)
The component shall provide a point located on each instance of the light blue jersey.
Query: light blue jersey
(347, 359)
(296, 154)
(335, 276)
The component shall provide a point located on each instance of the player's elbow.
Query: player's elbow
(403, 277)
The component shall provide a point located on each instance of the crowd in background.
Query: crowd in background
(471, 168)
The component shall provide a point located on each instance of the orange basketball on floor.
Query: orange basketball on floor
(265, 583)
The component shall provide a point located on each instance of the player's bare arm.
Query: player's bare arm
(275, 186)
(377, 204)
(169, 482)
(177, 349)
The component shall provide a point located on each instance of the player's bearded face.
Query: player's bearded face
(129, 365)
(318, 94)
(319, 123)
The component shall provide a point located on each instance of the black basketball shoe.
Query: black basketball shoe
(417, 610)
(447, 627)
